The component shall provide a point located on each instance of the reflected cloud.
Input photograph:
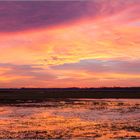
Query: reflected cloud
(107, 119)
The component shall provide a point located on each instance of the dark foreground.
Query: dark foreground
(24, 94)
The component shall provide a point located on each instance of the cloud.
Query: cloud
(22, 15)
(15, 16)
(103, 66)
(21, 72)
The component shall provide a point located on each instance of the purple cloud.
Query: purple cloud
(103, 66)
(23, 15)
(34, 71)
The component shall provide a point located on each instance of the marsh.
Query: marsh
(71, 118)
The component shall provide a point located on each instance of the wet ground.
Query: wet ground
(71, 119)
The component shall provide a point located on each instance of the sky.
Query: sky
(91, 43)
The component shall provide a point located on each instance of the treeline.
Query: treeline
(45, 93)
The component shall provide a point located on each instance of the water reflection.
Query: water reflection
(99, 119)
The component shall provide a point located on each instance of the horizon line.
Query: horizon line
(69, 87)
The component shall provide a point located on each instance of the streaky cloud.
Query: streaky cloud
(103, 66)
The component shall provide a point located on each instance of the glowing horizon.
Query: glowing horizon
(70, 44)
